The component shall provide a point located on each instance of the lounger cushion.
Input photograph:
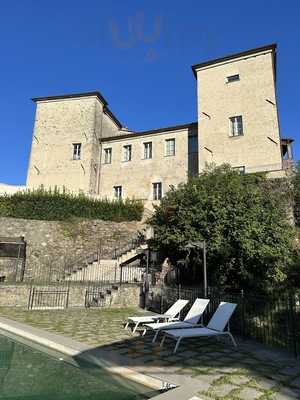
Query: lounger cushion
(192, 332)
(142, 320)
(169, 325)
(148, 318)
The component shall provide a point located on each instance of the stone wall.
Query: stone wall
(10, 269)
(253, 97)
(14, 295)
(18, 296)
(10, 189)
(54, 245)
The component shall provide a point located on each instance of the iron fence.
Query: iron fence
(98, 296)
(272, 320)
(48, 298)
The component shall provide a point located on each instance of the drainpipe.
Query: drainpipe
(100, 154)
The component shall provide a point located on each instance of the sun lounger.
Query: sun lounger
(170, 315)
(216, 327)
(191, 320)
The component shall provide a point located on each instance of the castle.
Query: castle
(80, 145)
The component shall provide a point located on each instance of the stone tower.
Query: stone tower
(237, 111)
(66, 141)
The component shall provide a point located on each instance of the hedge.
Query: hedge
(55, 206)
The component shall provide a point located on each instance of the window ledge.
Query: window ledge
(236, 137)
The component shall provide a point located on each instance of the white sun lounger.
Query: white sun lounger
(169, 315)
(215, 327)
(190, 321)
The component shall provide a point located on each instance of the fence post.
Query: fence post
(115, 280)
(179, 291)
(291, 302)
(121, 274)
(29, 300)
(243, 324)
(67, 299)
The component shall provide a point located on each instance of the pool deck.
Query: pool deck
(202, 368)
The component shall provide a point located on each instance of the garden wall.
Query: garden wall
(18, 296)
(53, 245)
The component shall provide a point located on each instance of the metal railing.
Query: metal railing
(272, 320)
(131, 245)
(48, 298)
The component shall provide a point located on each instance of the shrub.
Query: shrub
(53, 205)
(244, 221)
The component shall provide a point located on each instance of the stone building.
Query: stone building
(79, 144)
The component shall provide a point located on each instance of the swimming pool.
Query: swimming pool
(27, 373)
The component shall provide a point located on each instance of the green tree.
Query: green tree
(244, 220)
(297, 194)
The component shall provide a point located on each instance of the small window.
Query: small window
(76, 151)
(157, 191)
(118, 192)
(127, 152)
(107, 155)
(233, 78)
(241, 170)
(147, 150)
(236, 126)
(170, 147)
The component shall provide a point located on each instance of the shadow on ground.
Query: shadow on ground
(249, 372)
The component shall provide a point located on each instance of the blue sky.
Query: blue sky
(138, 53)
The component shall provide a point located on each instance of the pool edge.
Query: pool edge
(74, 349)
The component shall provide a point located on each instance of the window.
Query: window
(236, 126)
(147, 150)
(193, 144)
(241, 170)
(157, 191)
(118, 192)
(107, 155)
(170, 147)
(76, 151)
(127, 152)
(233, 78)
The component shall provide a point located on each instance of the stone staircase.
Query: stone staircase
(116, 269)
(100, 296)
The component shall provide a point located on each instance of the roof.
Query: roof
(250, 52)
(72, 96)
(106, 110)
(154, 131)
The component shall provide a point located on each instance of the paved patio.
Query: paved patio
(221, 372)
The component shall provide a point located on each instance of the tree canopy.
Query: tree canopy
(243, 219)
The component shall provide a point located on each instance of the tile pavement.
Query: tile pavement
(251, 372)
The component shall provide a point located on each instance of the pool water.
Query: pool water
(30, 374)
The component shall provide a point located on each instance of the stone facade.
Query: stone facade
(252, 95)
(53, 246)
(10, 189)
(240, 86)
(140, 172)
